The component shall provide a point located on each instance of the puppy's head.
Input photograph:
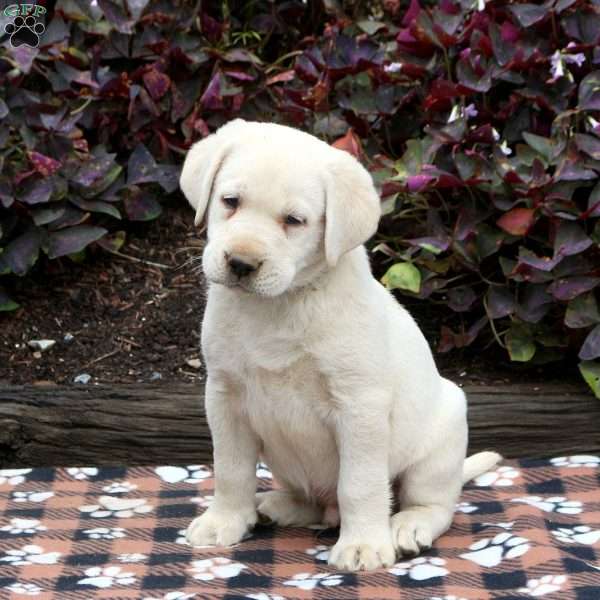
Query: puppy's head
(282, 206)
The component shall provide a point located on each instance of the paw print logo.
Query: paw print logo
(421, 568)
(24, 31)
(319, 552)
(105, 533)
(582, 534)
(119, 487)
(218, 567)
(189, 474)
(490, 552)
(579, 460)
(465, 507)
(31, 496)
(24, 589)
(30, 555)
(19, 526)
(502, 476)
(111, 506)
(545, 585)
(557, 504)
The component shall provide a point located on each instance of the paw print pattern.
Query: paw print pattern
(578, 460)
(106, 577)
(24, 589)
(31, 496)
(24, 31)
(213, 568)
(466, 507)
(13, 476)
(448, 597)
(307, 581)
(105, 533)
(319, 552)
(545, 585)
(131, 558)
(502, 476)
(23, 526)
(582, 534)
(490, 552)
(119, 487)
(421, 568)
(190, 474)
(171, 596)
(203, 501)
(557, 504)
(263, 472)
(82, 472)
(30, 555)
(111, 506)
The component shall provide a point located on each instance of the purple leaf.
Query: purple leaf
(156, 83)
(22, 253)
(461, 299)
(570, 239)
(589, 92)
(543, 263)
(534, 304)
(567, 288)
(588, 144)
(529, 14)
(591, 346)
(500, 302)
(141, 207)
(37, 192)
(73, 239)
(582, 312)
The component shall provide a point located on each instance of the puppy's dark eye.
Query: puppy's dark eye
(231, 201)
(294, 221)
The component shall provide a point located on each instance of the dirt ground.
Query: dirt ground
(120, 320)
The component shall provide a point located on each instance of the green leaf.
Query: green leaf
(582, 311)
(403, 276)
(6, 303)
(370, 27)
(591, 373)
(519, 344)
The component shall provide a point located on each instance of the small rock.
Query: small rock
(82, 378)
(41, 345)
(69, 337)
(37, 354)
(195, 363)
(155, 376)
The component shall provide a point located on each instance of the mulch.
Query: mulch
(527, 529)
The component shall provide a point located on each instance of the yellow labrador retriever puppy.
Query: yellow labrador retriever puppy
(312, 365)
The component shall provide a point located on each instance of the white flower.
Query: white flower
(394, 67)
(545, 585)
(106, 577)
(218, 567)
(557, 65)
(502, 476)
(203, 501)
(421, 568)
(495, 134)
(557, 504)
(109, 506)
(578, 460)
(30, 555)
(190, 474)
(172, 596)
(470, 111)
(319, 552)
(13, 476)
(18, 526)
(105, 533)
(24, 589)
(82, 472)
(119, 487)
(263, 472)
(466, 507)
(559, 60)
(31, 496)
(132, 558)
(307, 581)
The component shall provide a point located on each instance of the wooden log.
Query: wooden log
(159, 424)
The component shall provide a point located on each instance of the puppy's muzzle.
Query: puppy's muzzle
(241, 266)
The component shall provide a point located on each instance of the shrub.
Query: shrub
(479, 120)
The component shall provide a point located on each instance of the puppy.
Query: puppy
(313, 367)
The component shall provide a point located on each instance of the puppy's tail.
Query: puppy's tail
(478, 464)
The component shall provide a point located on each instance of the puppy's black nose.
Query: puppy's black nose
(240, 267)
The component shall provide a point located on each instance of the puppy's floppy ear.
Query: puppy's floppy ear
(352, 208)
(201, 166)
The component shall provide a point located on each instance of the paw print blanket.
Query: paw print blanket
(528, 529)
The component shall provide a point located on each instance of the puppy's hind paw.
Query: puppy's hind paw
(283, 508)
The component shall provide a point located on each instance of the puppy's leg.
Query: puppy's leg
(428, 495)
(286, 508)
(232, 512)
(363, 490)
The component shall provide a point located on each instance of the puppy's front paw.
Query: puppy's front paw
(220, 528)
(363, 555)
(411, 533)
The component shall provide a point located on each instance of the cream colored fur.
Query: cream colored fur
(313, 367)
